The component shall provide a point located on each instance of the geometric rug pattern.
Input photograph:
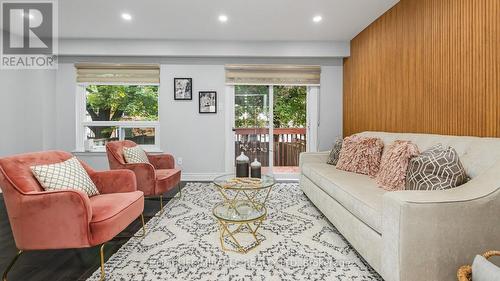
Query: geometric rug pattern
(183, 244)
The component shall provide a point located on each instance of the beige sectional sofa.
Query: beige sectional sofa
(413, 235)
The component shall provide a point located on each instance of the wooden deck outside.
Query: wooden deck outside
(288, 143)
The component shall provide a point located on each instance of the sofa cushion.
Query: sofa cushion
(484, 270)
(360, 155)
(166, 179)
(113, 212)
(477, 155)
(359, 194)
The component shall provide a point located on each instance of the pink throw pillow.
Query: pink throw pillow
(360, 155)
(394, 165)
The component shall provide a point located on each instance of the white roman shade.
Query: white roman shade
(116, 73)
(268, 74)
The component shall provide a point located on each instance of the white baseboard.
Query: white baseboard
(199, 176)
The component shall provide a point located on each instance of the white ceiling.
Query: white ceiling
(285, 20)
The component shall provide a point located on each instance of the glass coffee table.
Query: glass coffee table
(242, 210)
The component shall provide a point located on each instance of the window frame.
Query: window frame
(81, 102)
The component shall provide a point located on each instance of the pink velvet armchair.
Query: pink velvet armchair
(154, 178)
(62, 219)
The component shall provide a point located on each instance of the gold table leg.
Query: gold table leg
(247, 195)
(226, 232)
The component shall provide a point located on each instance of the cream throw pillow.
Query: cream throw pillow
(135, 155)
(484, 270)
(69, 174)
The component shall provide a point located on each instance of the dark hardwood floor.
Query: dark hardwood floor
(60, 265)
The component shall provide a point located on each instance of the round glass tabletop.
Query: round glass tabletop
(232, 182)
(239, 211)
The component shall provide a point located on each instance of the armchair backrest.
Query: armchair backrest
(114, 150)
(15, 172)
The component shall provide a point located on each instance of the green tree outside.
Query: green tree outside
(120, 103)
(290, 106)
(252, 106)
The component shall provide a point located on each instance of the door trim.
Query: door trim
(229, 114)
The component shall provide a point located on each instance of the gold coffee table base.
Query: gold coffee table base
(225, 232)
(242, 210)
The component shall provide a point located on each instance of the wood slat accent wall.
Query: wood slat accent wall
(429, 66)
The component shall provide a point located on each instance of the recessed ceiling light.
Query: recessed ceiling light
(126, 16)
(317, 18)
(222, 18)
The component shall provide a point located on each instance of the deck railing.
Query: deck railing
(288, 144)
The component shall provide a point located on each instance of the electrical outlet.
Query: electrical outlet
(179, 161)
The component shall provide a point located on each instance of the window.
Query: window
(109, 112)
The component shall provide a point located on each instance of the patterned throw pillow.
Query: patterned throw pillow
(69, 174)
(394, 165)
(135, 155)
(437, 168)
(360, 155)
(333, 158)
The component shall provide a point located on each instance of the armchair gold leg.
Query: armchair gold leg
(178, 196)
(103, 274)
(137, 236)
(11, 264)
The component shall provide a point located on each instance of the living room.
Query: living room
(271, 140)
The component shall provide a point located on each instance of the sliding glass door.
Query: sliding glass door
(270, 124)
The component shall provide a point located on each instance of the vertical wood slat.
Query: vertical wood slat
(428, 66)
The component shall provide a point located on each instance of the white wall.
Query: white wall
(37, 110)
(65, 102)
(26, 110)
(198, 139)
(330, 107)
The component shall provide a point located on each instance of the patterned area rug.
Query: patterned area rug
(183, 244)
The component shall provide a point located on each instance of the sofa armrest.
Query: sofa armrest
(428, 235)
(52, 220)
(114, 181)
(313, 157)
(162, 161)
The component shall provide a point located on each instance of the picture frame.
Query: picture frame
(207, 102)
(183, 88)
